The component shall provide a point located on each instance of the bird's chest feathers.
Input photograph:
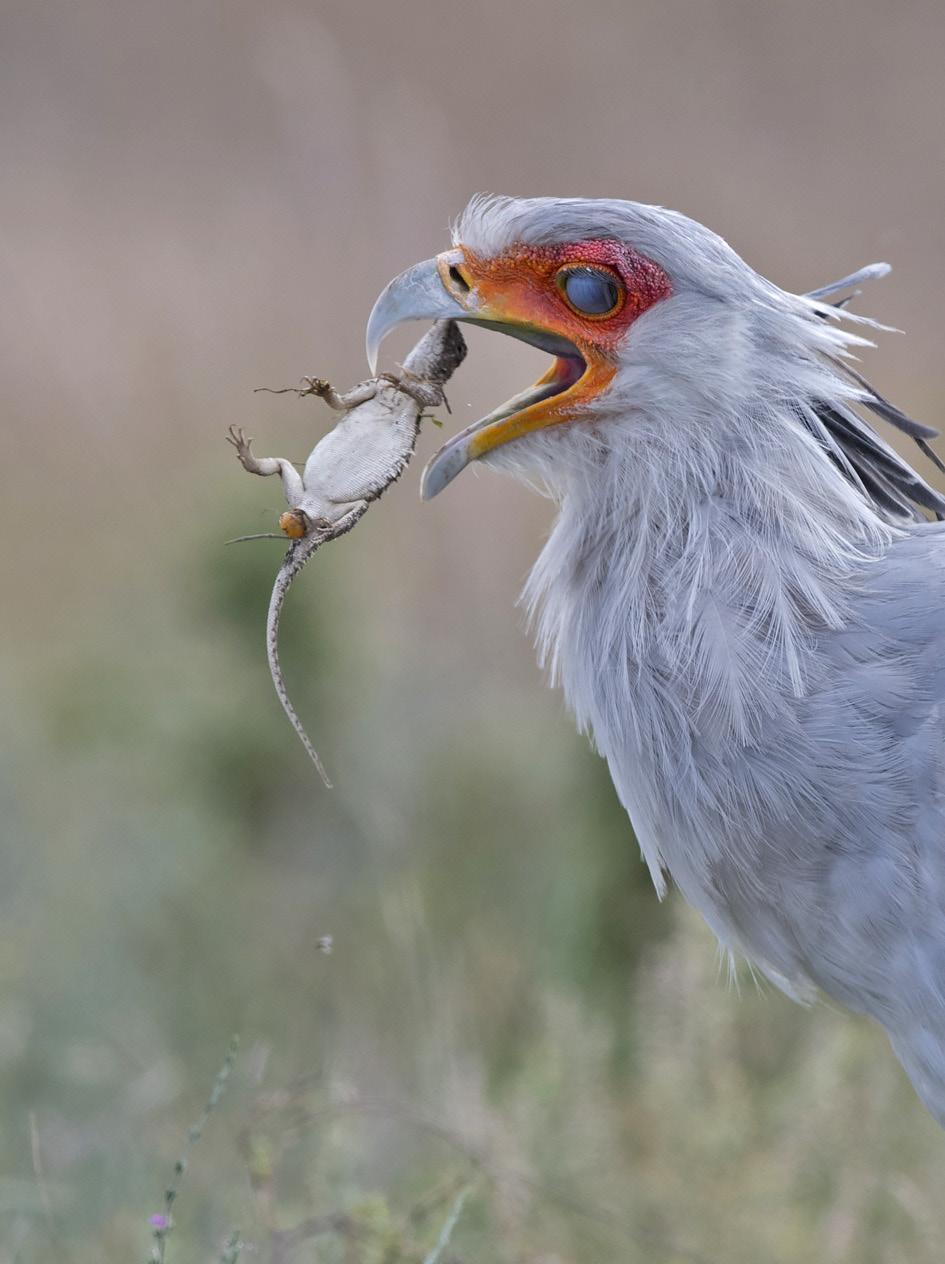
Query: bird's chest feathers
(685, 655)
(686, 643)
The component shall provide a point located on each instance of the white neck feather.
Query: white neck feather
(669, 542)
(689, 569)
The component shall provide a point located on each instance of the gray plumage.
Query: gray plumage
(744, 602)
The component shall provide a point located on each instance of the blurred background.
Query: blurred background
(202, 198)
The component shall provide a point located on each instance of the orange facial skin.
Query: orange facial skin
(521, 288)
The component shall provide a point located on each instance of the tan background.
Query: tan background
(198, 199)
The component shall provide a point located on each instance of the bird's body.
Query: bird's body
(742, 605)
(806, 825)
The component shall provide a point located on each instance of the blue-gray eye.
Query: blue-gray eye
(590, 290)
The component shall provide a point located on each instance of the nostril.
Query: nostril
(458, 279)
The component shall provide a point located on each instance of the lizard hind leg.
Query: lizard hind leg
(266, 465)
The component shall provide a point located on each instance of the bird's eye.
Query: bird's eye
(590, 291)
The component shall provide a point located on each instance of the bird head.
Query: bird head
(634, 302)
(667, 347)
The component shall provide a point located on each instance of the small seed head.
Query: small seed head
(292, 523)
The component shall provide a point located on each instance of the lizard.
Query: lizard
(348, 469)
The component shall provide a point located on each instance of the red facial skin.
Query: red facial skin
(520, 288)
(523, 281)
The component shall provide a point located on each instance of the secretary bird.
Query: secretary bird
(743, 595)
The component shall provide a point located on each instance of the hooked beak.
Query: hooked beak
(441, 288)
(417, 294)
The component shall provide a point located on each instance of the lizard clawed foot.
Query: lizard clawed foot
(243, 444)
(315, 386)
(326, 392)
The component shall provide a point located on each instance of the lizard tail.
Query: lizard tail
(295, 559)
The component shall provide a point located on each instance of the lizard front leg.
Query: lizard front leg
(266, 465)
(335, 399)
(423, 392)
